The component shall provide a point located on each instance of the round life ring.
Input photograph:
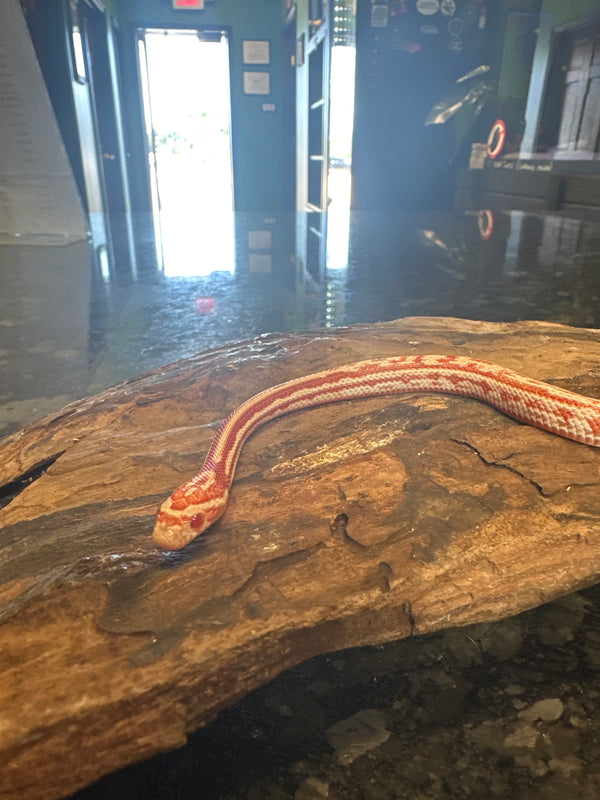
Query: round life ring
(496, 139)
(485, 223)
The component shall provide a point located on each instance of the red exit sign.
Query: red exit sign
(197, 4)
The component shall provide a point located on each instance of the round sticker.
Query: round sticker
(428, 7)
(455, 27)
(448, 8)
(496, 139)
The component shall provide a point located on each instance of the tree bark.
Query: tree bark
(349, 524)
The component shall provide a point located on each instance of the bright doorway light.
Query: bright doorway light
(341, 106)
(187, 107)
(341, 122)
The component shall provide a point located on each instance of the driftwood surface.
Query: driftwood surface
(350, 524)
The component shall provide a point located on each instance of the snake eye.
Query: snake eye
(197, 521)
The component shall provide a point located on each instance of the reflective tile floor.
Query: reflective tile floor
(68, 330)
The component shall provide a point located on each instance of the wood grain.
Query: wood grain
(349, 524)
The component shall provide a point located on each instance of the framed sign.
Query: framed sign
(257, 83)
(380, 16)
(259, 240)
(256, 52)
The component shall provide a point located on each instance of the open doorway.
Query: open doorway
(341, 125)
(187, 112)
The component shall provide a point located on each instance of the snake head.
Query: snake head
(187, 513)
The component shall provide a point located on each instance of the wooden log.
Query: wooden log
(350, 524)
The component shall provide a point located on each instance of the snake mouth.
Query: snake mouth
(170, 537)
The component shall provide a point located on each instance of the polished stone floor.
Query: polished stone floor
(69, 327)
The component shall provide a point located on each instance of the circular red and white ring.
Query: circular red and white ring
(496, 139)
(485, 222)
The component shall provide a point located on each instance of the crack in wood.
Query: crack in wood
(13, 488)
(501, 466)
(385, 574)
(339, 532)
(408, 612)
(262, 569)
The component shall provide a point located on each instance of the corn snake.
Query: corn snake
(195, 505)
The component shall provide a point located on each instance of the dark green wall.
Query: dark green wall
(260, 148)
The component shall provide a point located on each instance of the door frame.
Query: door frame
(147, 186)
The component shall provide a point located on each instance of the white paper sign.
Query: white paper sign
(256, 52)
(257, 83)
(259, 240)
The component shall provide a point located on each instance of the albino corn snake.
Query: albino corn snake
(195, 505)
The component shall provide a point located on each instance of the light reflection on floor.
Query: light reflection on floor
(65, 332)
(338, 223)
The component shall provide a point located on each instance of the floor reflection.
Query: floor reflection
(494, 266)
(69, 329)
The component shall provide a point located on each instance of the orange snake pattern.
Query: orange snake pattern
(195, 505)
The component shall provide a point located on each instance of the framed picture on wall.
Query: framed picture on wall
(256, 52)
(257, 83)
